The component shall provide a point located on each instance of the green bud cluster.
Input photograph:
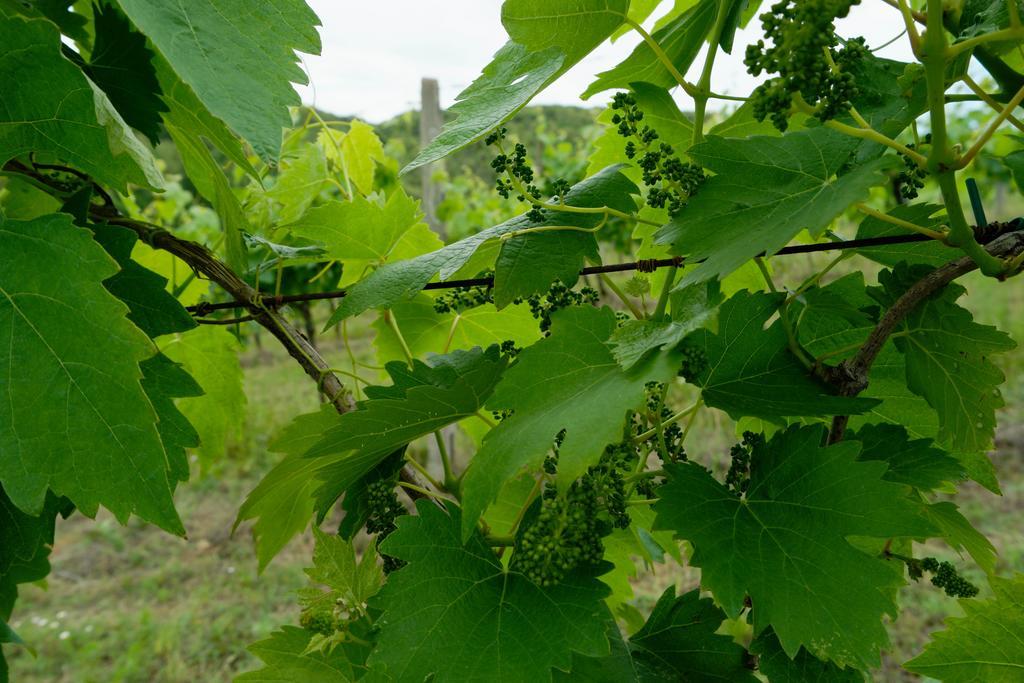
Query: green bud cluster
(383, 508)
(509, 349)
(694, 363)
(567, 531)
(806, 59)
(645, 421)
(461, 299)
(517, 166)
(944, 576)
(322, 621)
(670, 182)
(558, 297)
(737, 479)
(911, 177)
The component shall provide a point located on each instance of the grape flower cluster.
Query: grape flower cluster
(559, 296)
(737, 479)
(670, 181)
(567, 530)
(459, 299)
(516, 176)
(693, 363)
(806, 59)
(911, 177)
(384, 507)
(944, 576)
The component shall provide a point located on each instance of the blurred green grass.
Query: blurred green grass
(132, 604)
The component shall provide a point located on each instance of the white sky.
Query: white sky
(374, 53)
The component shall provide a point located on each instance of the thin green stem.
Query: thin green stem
(486, 420)
(816, 278)
(426, 475)
(942, 161)
(670, 279)
(662, 57)
(420, 489)
(1002, 35)
(990, 101)
(659, 428)
(642, 501)
(906, 225)
(389, 318)
(700, 99)
(450, 482)
(993, 126)
(643, 436)
(617, 291)
(693, 418)
(534, 492)
(646, 474)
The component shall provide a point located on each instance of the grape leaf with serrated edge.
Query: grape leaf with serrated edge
(766, 191)
(785, 545)
(947, 353)
(70, 119)
(238, 58)
(752, 372)
(421, 401)
(455, 613)
(78, 421)
(986, 644)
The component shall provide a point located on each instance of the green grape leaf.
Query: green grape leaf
(835, 320)
(361, 150)
(692, 308)
(931, 253)
(300, 180)
(1014, 161)
(282, 503)
(660, 112)
(187, 113)
(211, 182)
(427, 331)
(557, 35)
(678, 642)
(765, 191)
(150, 306)
(986, 644)
(164, 381)
(22, 535)
(785, 546)
(914, 462)
(890, 96)
(238, 58)
(336, 566)
(680, 39)
(779, 667)
(531, 263)
(210, 355)
(121, 64)
(78, 421)
(947, 357)
(400, 280)
(961, 535)
(751, 371)
(454, 613)
(566, 381)
(342, 227)
(287, 657)
(421, 401)
(69, 120)
(60, 12)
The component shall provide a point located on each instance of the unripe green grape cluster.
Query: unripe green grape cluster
(568, 528)
(806, 60)
(946, 577)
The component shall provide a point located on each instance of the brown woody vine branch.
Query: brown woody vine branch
(206, 264)
(851, 376)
